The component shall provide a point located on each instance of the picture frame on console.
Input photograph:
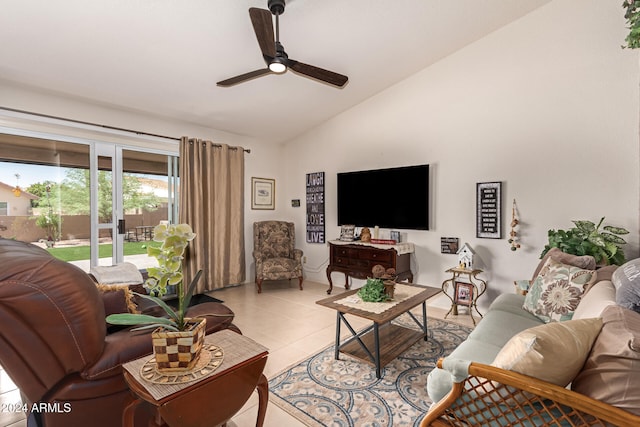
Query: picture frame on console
(347, 232)
(463, 294)
(263, 193)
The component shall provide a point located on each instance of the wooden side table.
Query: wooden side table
(209, 401)
(465, 293)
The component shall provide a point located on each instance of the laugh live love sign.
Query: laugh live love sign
(315, 207)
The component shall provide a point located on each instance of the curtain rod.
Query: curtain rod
(137, 132)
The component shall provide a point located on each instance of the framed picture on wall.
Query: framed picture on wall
(489, 210)
(263, 193)
(463, 293)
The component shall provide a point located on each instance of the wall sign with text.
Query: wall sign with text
(489, 210)
(315, 207)
(448, 245)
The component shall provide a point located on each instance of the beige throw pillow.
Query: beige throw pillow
(600, 296)
(554, 352)
(611, 373)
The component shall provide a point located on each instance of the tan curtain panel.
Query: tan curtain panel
(212, 202)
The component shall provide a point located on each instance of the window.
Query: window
(54, 207)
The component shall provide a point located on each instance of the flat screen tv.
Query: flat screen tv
(388, 198)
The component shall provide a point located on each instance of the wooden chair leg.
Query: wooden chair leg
(300, 279)
(259, 283)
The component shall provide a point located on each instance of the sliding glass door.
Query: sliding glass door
(104, 186)
(87, 202)
(135, 191)
(147, 197)
(131, 192)
(44, 185)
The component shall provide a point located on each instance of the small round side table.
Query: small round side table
(465, 293)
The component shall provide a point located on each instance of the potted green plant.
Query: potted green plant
(174, 240)
(586, 238)
(632, 15)
(373, 291)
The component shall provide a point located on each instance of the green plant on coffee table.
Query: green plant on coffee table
(373, 291)
(174, 239)
(586, 238)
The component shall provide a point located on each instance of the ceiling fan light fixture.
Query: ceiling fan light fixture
(273, 52)
(277, 66)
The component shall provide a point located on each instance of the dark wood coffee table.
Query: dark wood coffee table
(383, 341)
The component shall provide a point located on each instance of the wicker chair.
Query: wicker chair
(484, 395)
(274, 252)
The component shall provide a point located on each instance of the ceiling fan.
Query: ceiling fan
(273, 52)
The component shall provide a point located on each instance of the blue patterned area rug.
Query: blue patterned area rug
(322, 391)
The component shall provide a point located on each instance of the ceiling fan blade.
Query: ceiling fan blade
(263, 27)
(244, 77)
(318, 73)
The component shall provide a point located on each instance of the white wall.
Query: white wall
(265, 161)
(548, 105)
(54, 104)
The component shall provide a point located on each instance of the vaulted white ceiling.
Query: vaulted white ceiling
(164, 57)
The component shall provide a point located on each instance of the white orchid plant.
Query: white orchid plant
(174, 239)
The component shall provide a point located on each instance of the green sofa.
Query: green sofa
(504, 319)
(471, 387)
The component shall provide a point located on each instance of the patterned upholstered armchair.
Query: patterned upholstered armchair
(274, 252)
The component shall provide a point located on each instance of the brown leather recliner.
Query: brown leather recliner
(54, 344)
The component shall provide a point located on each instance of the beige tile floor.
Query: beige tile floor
(283, 319)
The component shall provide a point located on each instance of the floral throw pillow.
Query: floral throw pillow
(557, 290)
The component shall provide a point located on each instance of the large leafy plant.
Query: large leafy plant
(586, 238)
(170, 254)
(632, 15)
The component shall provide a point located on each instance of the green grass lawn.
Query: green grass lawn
(76, 253)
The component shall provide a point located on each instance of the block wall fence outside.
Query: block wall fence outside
(24, 228)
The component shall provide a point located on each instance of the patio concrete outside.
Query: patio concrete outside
(141, 261)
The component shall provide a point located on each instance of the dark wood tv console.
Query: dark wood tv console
(357, 260)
